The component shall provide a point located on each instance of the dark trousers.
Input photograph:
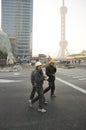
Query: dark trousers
(40, 96)
(37, 97)
(33, 93)
(52, 86)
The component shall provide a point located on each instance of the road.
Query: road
(65, 112)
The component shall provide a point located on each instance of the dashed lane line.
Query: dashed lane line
(16, 73)
(81, 76)
(82, 79)
(9, 81)
(72, 85)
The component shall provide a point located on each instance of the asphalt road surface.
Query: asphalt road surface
(65, 112)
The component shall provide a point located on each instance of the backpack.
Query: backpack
(33, 76)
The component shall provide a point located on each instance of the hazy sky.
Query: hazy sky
(47, 22)
(0, 13)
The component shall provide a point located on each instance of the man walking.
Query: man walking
(38, 84)
(50, 72)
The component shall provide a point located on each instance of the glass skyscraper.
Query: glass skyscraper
(17, 22)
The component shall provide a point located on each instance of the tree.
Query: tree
(3, 55)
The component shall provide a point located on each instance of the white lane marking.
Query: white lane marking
(79, 76)
(16, 73)
(82, 79)
(72, 85)
(8, 81)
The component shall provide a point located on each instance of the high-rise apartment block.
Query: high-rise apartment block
(17, 22)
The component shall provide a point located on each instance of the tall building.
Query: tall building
(17, 22)
(63, 52)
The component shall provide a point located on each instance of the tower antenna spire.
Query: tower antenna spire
(63, 2)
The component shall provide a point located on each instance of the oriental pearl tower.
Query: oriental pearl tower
(63, 52)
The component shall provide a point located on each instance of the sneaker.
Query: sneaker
(42, 110)
(30, 103)
(53, 95)
(45, 102)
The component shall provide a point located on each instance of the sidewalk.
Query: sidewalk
(72, 65)
(81, 65)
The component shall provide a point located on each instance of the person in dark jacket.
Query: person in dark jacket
(38, 81)
(50, 72)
